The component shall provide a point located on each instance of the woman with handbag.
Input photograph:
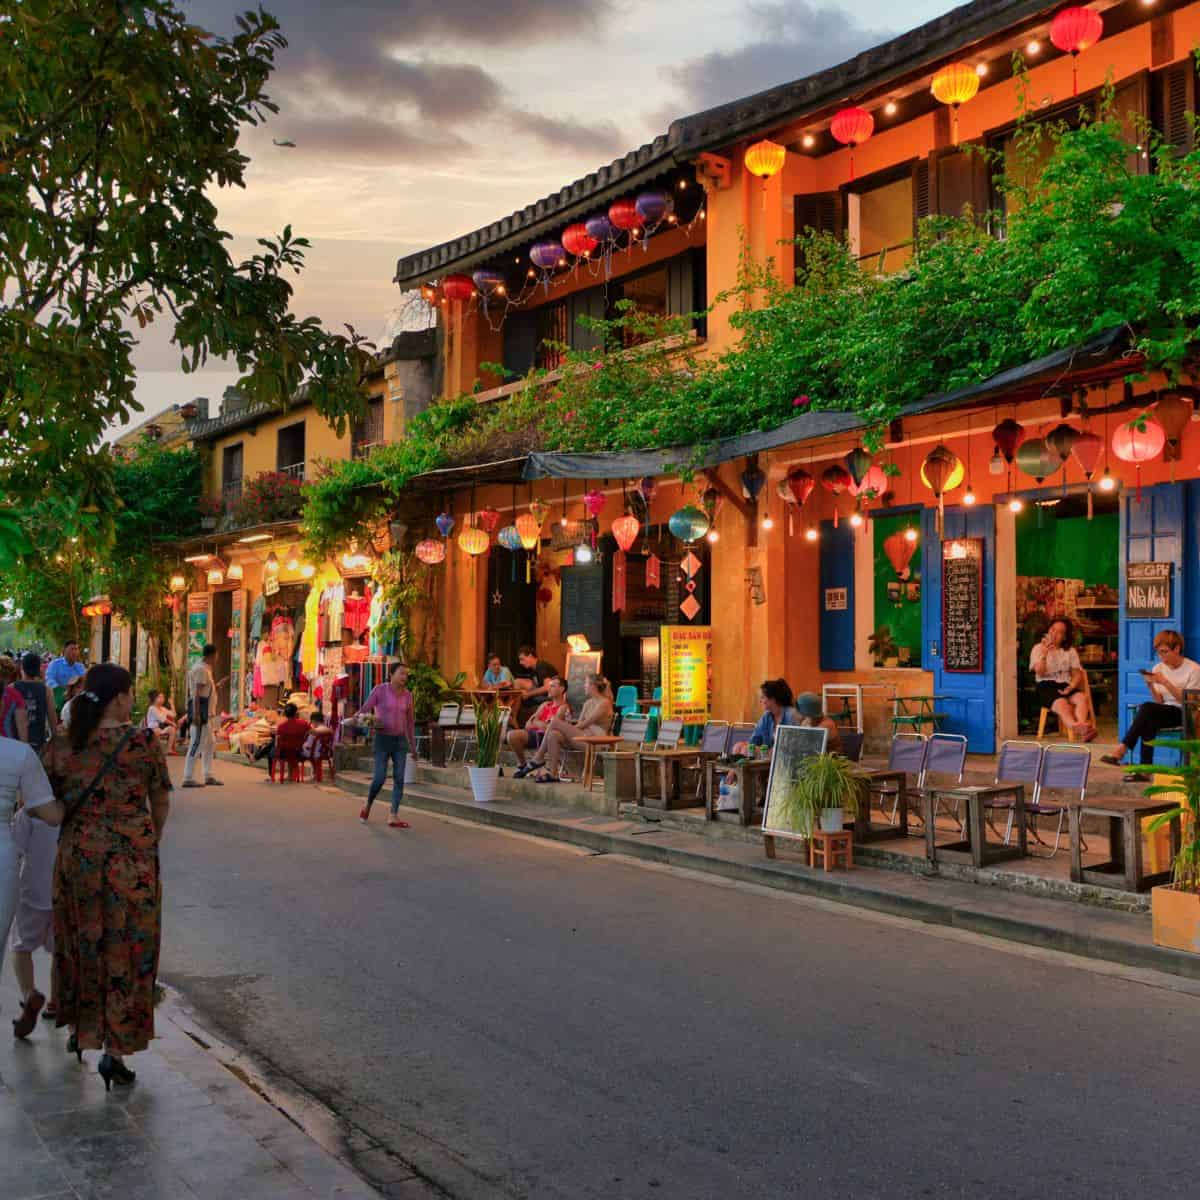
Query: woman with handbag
(111, 780)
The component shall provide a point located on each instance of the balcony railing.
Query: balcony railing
(295, 471)
(366, 434)
(231, 493)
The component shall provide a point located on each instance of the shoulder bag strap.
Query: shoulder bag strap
(74, 805)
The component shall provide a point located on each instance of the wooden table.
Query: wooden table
(873, 782)
(592, 743)
(975, 849)
(1125, 869)
(749, 773)
(667, 763)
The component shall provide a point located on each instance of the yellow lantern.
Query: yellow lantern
(235, 573)
(529, 530)
(955, 85)
(178, 583)
(474, 541)
(765, 159)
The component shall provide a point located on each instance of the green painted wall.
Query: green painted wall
(1070, 548)
(903, 616)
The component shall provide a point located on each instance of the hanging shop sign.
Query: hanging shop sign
(1148, 591)
(237, 643)
(837, 599)
(962, 605)
(686, 661)
(197, 627)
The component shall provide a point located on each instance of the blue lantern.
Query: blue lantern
(689, 524)
(445, 523)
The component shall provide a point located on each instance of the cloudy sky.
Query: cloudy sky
(416, 120)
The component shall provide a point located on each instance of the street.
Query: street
(542, 1022)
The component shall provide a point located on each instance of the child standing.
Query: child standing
(33, 928)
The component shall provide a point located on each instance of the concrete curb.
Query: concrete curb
(1067, 938)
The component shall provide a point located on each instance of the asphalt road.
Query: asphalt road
(527, 1020)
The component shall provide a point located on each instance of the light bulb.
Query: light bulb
(809, 141)
(890, 108)
(969, 496)
(713, 536)
(910, 534)
(583, 554)
(811, 534)
(1107, 482)
(768, 523)
(1015, 504)
(1034, 47)
(856, 519)
(981, 70)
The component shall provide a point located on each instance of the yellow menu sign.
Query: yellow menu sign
(686, 672)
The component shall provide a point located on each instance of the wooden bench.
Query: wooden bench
(1125, 868)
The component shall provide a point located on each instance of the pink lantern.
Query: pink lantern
(431, 551)
(1139, 441)
(489, 518)
(594, 502)
(874, 484)
(625, 530)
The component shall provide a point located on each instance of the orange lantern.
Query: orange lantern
(1173, 413)
(899, 549)
(1073, 30)
(765, 159)
(625, 530)
(955, 85)
(1086, 451)
(852, 127)
(529, 530)
(1139, 441)
(473, 541)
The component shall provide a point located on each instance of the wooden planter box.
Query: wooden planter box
(1176, 918)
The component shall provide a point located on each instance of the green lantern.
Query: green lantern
(689, 524)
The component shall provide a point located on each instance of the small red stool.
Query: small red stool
(294, 773)
(830, 847)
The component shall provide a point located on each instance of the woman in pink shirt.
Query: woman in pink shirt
(395, 733)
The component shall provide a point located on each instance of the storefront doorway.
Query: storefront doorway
(1069, 566)
(221, 619)
(511, 608)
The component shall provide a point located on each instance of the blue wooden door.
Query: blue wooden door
(969, 699)
(837, 596)
(1151, 531)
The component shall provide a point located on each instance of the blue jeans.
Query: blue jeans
(391, 747)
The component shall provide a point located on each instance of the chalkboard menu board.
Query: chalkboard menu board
(580, 666)
(583, 602)
(962, 605)
(1148, 591)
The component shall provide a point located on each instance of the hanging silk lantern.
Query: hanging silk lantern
(529, 529)
(458, 287)
(577, 241)
(874, 485)
(941, 472)
(689, 524)
(852, 127)
(1008, 436)
(858, 463)
(899, 550)
(491, 285)
(510, 539)
(625, 531)
(835, 479)
(801, 485)
(600, 228)
(765, 159)
(954, 86)
(1074, 30)
(488, 519)
(594, 502)
(431, 551)
(1061, 439)
(539, 510)
(430, 294)
(1035, 458)
(547, 256)
(445, 523)
(654, 206)
(1173, 413)
(624, 215)
(1086, 451)
(784, 491)
(473, 541)
(1139, 441)
(753, 481)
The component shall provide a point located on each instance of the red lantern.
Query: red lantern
(1086, 451)
(578, 241)
(801, 485)
(852, 127)
(1139, 441)
(489, 518)
(1008, 436)
(458, 287)
(1073, 30)
(899, 550)
(835, 480)
(625, 530)
(624, 214)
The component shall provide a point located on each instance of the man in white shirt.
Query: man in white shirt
(202, 695)
(1172, 677)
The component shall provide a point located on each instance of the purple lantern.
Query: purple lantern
(445, 523)
(600, 227)
(654, 206)
(547, 256)
(491, 284)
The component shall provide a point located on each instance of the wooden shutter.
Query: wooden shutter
(681, 288)
(824, 212)
(590, 303)
(921, 192)
(1131, 101)
(959, 178)
(1174, 98)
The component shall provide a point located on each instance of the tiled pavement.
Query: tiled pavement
(188, 1129)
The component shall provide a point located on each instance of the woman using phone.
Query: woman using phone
(1171, 677)
(1060, 684)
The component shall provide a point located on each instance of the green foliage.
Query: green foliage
(431, 689)
(1186, 780)
(821, 781)
(271, 496)
(881, 645)
(404, 583)
(118, 121)
(487, 734)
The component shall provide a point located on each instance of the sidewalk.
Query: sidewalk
(188, 1129)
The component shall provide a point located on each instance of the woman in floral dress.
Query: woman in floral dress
(107, 895)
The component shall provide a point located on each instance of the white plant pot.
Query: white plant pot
(410, 769)
(483, 783)
(832, 820)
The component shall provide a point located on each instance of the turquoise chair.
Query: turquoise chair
(627, 698)
(656, 694)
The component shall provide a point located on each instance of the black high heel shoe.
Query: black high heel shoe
(114, 1071)
(73, 1047)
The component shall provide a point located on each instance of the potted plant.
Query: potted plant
(881, 645)
(1175, 907)
(824, 788)
(487, 758)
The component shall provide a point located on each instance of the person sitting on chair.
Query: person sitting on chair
(812, 716)
(563, 733)
(1060, 681)
(1172, 676)
(529, 738)
(289, 738)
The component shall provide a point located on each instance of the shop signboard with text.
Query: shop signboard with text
(1148, 590)
(197, 627)
(686, 672)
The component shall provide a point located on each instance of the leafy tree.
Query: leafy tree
(118, 119)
